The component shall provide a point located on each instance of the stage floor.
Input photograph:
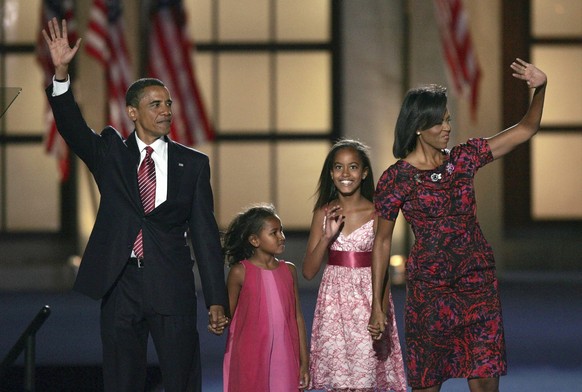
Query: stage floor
(543, 326)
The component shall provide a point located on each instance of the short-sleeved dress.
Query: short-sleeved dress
(343, 355)
(453, 322)
(262, 348)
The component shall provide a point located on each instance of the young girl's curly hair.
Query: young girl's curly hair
(236, 245)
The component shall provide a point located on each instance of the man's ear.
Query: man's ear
(131, 112)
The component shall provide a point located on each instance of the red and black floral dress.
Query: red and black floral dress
(453, 322)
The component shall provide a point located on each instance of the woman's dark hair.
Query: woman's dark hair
(326, 190)
(423, 108)
(236, 245)
(135, 91)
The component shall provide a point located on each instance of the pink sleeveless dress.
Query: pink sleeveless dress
(262, 347)
(343, 355)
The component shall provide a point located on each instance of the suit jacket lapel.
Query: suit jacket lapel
(131, 172)
(175, 169)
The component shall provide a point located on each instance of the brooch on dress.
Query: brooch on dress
(436, 177)
(450, 168)
(417, 178)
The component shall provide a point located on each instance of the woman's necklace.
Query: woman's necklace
(434, 177)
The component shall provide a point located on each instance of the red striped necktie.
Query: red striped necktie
(146, 180)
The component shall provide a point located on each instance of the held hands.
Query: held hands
(303, 377)
(528, 72)
(58, 42)
(217, 320)
(377, 324)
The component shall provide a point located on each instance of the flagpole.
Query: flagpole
(405, 47)
(405, 87)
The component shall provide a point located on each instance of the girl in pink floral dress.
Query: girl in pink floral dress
(343, 355)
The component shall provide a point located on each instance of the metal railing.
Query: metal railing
(26, 343)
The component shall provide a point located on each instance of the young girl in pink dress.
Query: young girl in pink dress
(343, 355)
(266, 347)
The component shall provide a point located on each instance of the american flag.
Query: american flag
(106, 43)
(463, 68)
(60, 9)
(169, 60)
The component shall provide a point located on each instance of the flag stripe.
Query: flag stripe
(106, 43)
(163, 71)
(170, 61)
(462, 65)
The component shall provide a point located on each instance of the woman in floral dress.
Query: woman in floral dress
(453, 322)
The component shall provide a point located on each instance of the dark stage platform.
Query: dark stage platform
(543, 324)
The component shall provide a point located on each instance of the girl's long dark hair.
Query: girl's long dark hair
(423, 107)
(326, 190)
(236, 245)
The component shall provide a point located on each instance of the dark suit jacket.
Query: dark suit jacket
(168, 274)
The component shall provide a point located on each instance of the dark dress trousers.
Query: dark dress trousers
(167, 276)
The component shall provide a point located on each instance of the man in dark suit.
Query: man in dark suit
(146, 289)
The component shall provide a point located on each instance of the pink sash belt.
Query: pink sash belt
(350, 259)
